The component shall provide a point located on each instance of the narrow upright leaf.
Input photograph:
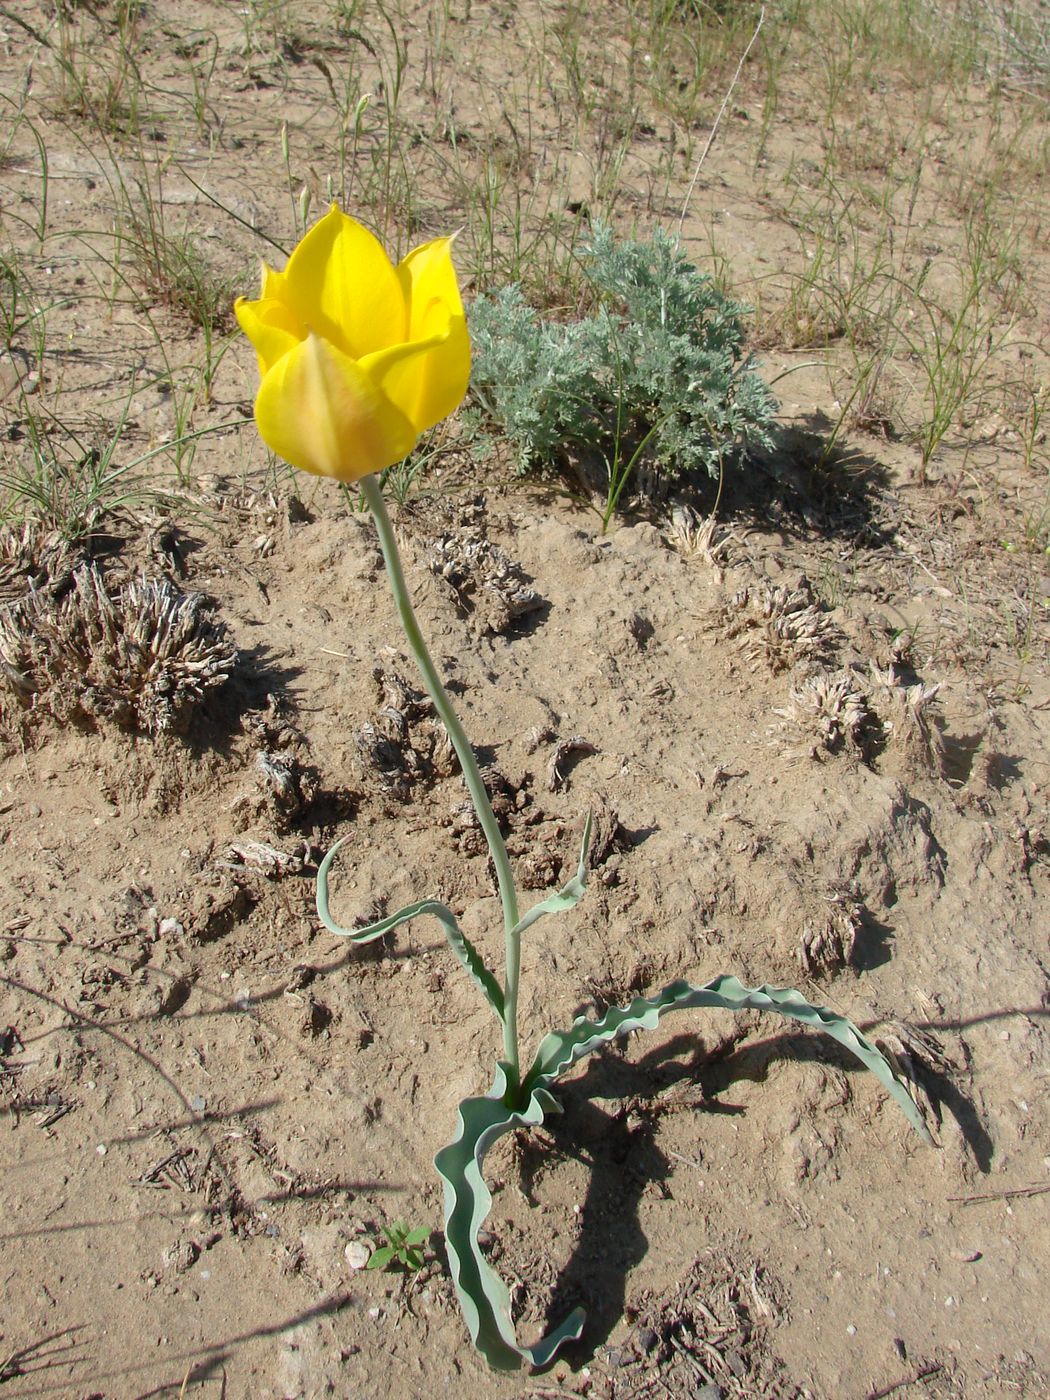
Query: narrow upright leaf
(570, 893)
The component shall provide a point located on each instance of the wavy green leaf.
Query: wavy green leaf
(460, 944)
(570, 893)
(561, 1049)
(482, 1294)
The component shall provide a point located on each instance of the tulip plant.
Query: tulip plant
(358, 357)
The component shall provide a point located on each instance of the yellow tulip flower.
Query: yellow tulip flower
(357, 357)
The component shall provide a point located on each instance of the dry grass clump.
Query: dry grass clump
(918, 1057)
(829, 713)
(142, 659)
(286, 786)
(33, 557)
(488, 585)
(828, 940)
(700, 537)
(779, 627)
(832, 712)
(911, 719)
(404, 743)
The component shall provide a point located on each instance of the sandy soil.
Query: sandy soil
(209, 1097)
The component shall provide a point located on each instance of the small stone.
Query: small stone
(301, 975)
(357, 1254)
(180, 1256)
(851, 1330)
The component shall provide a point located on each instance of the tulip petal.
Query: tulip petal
(403, 373)
(427, 379)
(344, 287)
(324, 413)
(428, 280)
(431, 387)
(271, 326)
(272, 282)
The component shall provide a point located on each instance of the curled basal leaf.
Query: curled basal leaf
(483, 1121)
(483, 1296)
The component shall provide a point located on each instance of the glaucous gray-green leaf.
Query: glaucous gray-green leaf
(482, 1294)
(460, 944)
(561, 1049)
(570, 893)
(482, 1121)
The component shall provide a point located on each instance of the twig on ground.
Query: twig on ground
(1037, 1188)
(931, 1369)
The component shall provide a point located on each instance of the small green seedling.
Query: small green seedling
(402, 1247)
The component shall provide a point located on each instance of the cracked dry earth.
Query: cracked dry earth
(211, 1105)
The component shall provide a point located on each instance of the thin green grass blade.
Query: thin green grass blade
(482, 1294)
(465, 952)
(570, 893)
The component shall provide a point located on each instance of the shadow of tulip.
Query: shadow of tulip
(609, 1124)
(622, 1162)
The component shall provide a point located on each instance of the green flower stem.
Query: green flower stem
(373, 497)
